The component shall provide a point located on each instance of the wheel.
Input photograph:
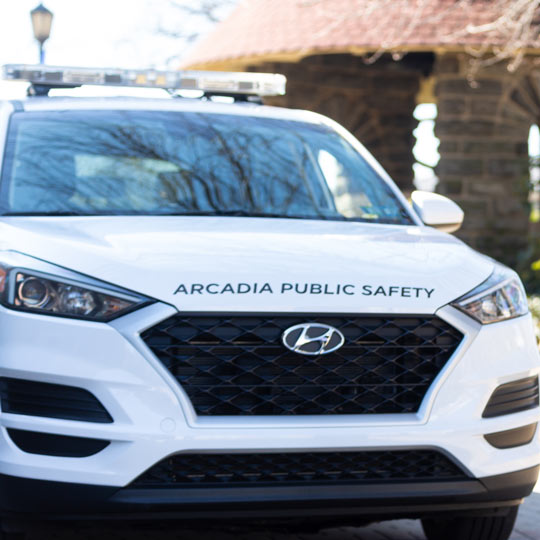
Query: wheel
(471, 527)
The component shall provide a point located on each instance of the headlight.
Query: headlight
(499, 298)
(32, 290)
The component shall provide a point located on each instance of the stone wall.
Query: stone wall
(375, 102)
(483, 128)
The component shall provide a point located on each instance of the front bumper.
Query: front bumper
(19, 499)
(154, 419)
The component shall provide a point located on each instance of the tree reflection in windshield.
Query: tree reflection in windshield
(154, 162)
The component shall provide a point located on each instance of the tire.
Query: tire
(12, 531)
(471, 527)
(12, 536)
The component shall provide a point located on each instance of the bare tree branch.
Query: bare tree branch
(209, 9)
(194, 18)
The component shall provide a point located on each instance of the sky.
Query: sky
(104, 33)
(113, 33)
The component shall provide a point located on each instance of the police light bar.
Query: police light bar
(218, 82)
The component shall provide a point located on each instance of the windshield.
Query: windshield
(187, 163)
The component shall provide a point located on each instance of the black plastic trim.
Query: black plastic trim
(59, 500)
(511, 438)
(47, 444)
(513, 397)
(34, 398)
(43, 89)
(283, 469)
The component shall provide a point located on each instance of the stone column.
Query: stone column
(484, 129)
(375, 102)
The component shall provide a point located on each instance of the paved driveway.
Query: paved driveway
(527, 528)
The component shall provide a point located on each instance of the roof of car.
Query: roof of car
(165, 104)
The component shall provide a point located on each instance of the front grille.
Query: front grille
(33, 398)
(302, 468)
(236, 364)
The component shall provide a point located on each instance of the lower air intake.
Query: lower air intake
(301, 468)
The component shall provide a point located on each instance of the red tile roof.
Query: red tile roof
(261, 30)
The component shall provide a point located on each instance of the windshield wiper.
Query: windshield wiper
(245, 213)
(38, 214)
(233, 213)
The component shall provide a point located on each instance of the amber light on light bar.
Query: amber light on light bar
(257, 84)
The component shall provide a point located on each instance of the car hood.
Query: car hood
(258, 264)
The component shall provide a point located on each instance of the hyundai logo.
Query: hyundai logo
(313, 338)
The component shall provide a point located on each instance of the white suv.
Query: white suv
(229, 310)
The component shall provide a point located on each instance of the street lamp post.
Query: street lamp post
(41, 25)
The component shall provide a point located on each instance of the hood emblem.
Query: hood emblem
(312, 338)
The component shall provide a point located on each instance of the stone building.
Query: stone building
(368, 63)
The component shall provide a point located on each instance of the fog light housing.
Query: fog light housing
(511, 438)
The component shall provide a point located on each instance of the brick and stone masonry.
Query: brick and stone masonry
(483, 128)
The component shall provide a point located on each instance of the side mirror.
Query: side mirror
(437, 211)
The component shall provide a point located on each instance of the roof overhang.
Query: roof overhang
(242, 63)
